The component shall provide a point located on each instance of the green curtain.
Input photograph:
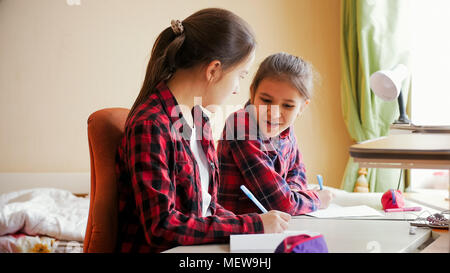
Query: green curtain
(374, 36)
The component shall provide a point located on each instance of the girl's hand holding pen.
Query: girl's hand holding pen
(325, 196)
(275, 221)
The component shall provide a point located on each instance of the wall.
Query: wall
(61, 62)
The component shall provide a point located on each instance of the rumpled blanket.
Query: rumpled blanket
(49, 212)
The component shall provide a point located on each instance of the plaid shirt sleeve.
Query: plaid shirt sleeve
(269, 187)
(221, 211)
(155, 195)
(296, 179)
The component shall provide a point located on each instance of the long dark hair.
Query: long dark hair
(209, 34)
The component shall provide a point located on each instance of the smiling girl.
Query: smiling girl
(259, 148)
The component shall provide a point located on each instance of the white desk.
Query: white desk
(417, 150)
(356, 236)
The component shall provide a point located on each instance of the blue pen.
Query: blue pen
(253, 198)
(320, 179)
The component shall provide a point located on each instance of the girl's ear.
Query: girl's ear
(303, 107)
(213, 71)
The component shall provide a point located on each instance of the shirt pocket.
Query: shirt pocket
(183, 164)
(187, 194)
(185, 171)
(184, 168)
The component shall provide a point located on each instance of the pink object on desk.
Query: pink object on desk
(403, 209)
(392, 199)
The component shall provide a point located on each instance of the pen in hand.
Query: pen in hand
(325, 196)
(320, 180)
(253, 198)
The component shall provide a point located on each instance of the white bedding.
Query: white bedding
(44, 211)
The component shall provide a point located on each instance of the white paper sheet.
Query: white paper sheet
(335, 211)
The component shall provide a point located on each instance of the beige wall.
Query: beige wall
(59, 63)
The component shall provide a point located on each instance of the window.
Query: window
(430, 97)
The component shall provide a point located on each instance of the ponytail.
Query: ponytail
(161, 65)
(207, 35)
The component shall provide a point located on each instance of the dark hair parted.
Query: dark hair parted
(208, 35)
(285, 67)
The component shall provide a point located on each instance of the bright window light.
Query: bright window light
(430, 96)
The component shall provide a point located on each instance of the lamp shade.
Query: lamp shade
(387, 84)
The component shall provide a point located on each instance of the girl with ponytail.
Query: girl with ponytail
(166, 161)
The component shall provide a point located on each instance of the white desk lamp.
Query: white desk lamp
(387, 85)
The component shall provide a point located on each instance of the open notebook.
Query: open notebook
(262, 243)
(335, 211)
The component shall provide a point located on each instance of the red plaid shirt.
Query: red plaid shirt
(159, 182)
(272, 169)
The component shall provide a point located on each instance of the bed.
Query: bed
(42, 220)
